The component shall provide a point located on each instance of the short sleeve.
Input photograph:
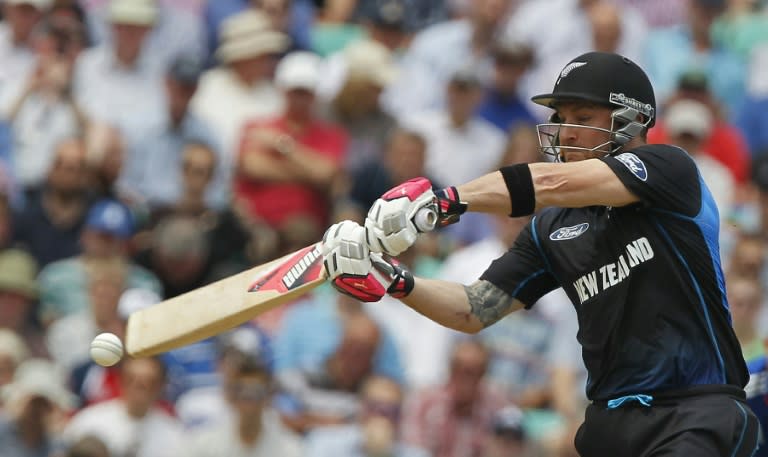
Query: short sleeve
(662, 176)
(522, 271)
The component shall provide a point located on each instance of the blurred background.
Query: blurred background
(148, 148)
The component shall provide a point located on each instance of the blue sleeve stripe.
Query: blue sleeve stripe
(743, 430)
(525, 281)
(703, 304)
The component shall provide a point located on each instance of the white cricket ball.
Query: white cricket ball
(106, 349)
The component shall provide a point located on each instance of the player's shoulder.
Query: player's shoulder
(638, 159)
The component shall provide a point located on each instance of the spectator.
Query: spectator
(509, 438)
(403, 159)
(357, 106)
(455, 419)
(179, 29)
(46, 100)
(20, 17)
(289, 16)
(334, 28)
(256, 429)
(228, 235)
(376, 432)
(288, 163)
(385, 24)
(133, 423)
(676, 50)
(206, 405)
(725, 143)
(571, 31)
(105, 157)
(460, 145)
(502, 104)
(752, 116)
(427, 67)
(240, 88)
(18, 297)
(35, 408)
(13, 351)
(64, 284)
(49, 224)
(606, 26)
(689, 124)
(741, 27)
(111, 77)
(745, 297)
(322, 370)
(153, 167)
(179, 255)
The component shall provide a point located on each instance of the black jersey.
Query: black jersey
(645, 279)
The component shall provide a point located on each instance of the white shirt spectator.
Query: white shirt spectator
(223, 440)
(179, 29)
(131, 99)
(38, 127)
(156, 435)
(18, 62)
(457, 155)
(224, 103)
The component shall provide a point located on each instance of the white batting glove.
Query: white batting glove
(390, 226)
(348, 264)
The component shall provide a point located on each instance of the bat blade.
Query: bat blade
(217, 307)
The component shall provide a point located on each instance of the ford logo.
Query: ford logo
(567, 233)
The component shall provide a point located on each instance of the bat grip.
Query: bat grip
(425, 219)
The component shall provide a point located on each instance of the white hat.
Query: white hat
(42, 5)
(248, 34)
(371, 60)
(688, 116)
(133, 12)
(298, 70)
(39, 377)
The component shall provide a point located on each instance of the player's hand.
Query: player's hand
(347, 262)
(355, 271)
(394, 221)
(390, 222)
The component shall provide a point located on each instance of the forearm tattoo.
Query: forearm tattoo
(487, 302)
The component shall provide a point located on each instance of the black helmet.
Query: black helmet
(604, 78)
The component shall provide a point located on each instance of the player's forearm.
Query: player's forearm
(486, 194)
(464, 308)
(444, 302)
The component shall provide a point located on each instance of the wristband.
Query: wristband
(402, 281)
(520, 187)
(449, 206)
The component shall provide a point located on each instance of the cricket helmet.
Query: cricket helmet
(606, 79)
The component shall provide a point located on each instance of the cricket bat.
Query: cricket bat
(222, 305)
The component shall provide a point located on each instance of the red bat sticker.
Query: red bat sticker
(305, 266)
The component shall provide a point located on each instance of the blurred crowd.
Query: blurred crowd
(148, 148)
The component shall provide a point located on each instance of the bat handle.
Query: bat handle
(425, 219)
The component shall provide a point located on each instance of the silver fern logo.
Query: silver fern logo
(568, 69)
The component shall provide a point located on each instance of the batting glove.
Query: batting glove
(355, 272)
(393, 222)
